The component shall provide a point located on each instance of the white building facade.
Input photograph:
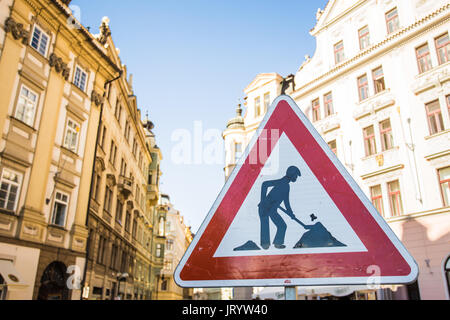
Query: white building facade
(378, 91)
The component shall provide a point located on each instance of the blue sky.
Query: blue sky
(190, 62)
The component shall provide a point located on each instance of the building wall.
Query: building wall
(416, 154)
(178, 237)
(38, 148)
(122, 200)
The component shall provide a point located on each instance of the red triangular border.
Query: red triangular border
(200, 265)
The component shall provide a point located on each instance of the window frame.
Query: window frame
(388, 132)
(33, 119)
(441, 182)
(257, 107)
(334, 149)
(327, 102)
(377, 199)
(61, 202)
(266, 101)
(363, 36)
(10, 182)
(72, 132)
(41, 30)
(388, 20)
(364, 86)
(315, 109)
(338, 51)
(438, 47)
(237, 154)
(82, 71)
(376, 78)
(436, 115)
(426, 56)
(369, 140)
(398, 198)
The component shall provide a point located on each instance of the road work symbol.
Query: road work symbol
(316, 236)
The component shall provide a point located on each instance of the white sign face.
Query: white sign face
(307, 196)
(291, 214)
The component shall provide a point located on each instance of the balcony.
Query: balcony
(152, 191)
(125, 186)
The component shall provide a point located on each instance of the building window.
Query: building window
(378, 80)
(80, 78)
(443, 48)
(315, 106)
(96, 186)
(103, 136)
(112, 153)
(108, 199)
(257, 107)
(71, 137)
(339, 52)
(392, 21)
(158, 250)
(364, 39)
(363, 87)
(387, 140)
(423, 58)
(434, 116)
(119, 211)
(395, 199)
(114, 251)
(444, 182)
(377, 198)
(26, 106)
(40, 40)
(102, 242)
(163, 285)
(333, 147)
(124, 263)
(447, 98)
(9, 190)
(127, 221)
(123, 168)
(328, 104)
(134, 230)
(237, 151)
(118, 110)
(369, 141)
(266, 101)
(60, 209)
(127, 130)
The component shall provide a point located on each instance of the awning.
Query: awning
(11, 276)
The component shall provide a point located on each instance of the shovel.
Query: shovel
(295, 219)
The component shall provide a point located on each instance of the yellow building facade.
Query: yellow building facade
(52, 77)
(79, 169)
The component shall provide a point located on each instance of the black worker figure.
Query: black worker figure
(270, 203)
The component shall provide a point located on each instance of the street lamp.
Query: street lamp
(121, 277)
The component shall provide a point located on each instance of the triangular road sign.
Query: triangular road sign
(291, 214)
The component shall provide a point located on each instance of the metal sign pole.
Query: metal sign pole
(290, 293)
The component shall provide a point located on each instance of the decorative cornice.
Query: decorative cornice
(376, 173)
(353, 61)
(60, 66)
(17, 30)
